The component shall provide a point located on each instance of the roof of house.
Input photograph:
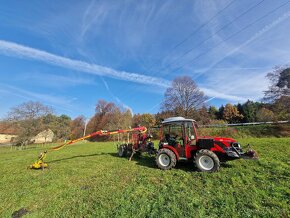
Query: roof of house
(7, 128)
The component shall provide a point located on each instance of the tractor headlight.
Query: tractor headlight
(236, 146)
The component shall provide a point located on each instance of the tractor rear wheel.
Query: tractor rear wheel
(122, 150)
(165, 159)
(206, 161)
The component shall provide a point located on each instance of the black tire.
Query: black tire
(165, 159)
(206, 161)
(122, 150)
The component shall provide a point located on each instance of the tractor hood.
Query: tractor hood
(229, 146)
(219, 139)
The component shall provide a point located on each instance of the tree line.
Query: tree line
(182, 98)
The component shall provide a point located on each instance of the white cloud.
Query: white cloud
(218, 94)
(13, 49)
(56, 81)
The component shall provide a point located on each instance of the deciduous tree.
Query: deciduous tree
(109, 116)
(77, 127)
(183, 97)
(231, 114)
(281, 108)
(28, 117)
(60, 125)
(265, 115)
(279, 84)
(146, 119)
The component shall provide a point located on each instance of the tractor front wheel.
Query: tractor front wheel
(165, 159)
(206, 161)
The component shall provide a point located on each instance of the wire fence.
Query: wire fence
(244, 124)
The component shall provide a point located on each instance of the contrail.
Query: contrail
(20, 51)
(16, 50)
(220, 95)
(254, 37)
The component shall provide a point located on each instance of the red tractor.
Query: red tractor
(179, 141)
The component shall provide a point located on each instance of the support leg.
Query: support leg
(133, 152)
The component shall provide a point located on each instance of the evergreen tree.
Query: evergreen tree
(213, 112)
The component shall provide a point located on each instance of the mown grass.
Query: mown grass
(89, 180)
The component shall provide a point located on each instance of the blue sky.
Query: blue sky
(69, 54)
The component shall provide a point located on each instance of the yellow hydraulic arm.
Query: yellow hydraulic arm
(40, 164)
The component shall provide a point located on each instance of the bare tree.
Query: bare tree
(279, 84)
(28, 119)
(29, 110)
(183, 97)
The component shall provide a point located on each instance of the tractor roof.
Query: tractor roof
(176, 119)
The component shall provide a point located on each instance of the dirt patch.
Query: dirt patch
(85, 187)
(19, 213)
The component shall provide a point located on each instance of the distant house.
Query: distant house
(43, 137)
(7, 133)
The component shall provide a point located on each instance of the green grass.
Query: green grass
(89, 180)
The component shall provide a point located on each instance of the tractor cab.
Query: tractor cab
(178, 134)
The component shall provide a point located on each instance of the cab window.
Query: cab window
(173, 134)
(190, 132)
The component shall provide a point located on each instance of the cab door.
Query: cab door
(180, 140)
(190, 139)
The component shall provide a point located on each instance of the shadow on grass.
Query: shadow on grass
(79, 156)
(142, 160)
(187, 166)
(149, 161)
(226, 165)
(32, 147)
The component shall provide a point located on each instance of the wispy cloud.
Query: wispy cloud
(53, 80)
(13, 49)
(258, 34)
(115, 97)
(55, 101)
(235, 86)
(92, 15)
(217, 94)
(17, 50)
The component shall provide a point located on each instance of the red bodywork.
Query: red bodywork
(189, 147)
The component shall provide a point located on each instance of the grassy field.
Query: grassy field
(89, 180)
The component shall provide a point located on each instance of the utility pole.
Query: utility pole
(86, 123)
